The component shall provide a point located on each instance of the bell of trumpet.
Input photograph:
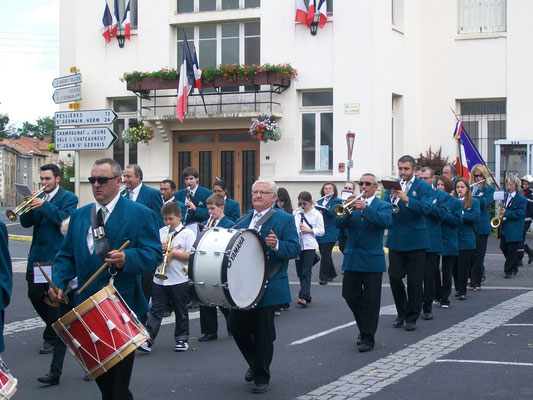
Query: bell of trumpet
(340, 210)
(23, 207)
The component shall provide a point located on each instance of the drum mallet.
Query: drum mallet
(54, 287)
(104, 266)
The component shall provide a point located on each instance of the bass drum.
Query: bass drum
(228, 267)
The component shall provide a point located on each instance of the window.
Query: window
(317, 131)
(126, 110)
(482, 16)
(485, 122)
(190, 6)
(133, 11)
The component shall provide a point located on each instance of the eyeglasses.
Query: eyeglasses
(260, 192)
(478, 176)
(102, 180)
(365, 183)
(301, 204)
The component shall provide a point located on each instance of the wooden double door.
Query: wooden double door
(231, 155)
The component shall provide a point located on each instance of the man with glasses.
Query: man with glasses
(45, 215)
(407, 242)
(253, 330)
(364, 261)
(117, 219)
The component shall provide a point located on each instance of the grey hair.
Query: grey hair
(137, 171)
(271, 183)
(374, 179)
(515, 180)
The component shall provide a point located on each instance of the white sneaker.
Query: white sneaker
(444, 306)
(436, 302)
(182, 345)
(277, 313)
(145, 347)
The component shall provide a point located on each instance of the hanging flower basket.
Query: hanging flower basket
(265, 128)
(138, 132)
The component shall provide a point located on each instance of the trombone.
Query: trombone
(24, 207)
(162, 269)
(340, 210)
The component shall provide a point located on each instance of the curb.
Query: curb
(21, 238)
(336, 250)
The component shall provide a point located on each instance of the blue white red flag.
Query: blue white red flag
(197, 72)
(126, 22)
(301, 12)
(186, 80)
(107, 21)
(115, 19)
(311, 12)
(323, 11)
(468, 153)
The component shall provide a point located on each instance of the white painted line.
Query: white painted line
(518, 325)
(486, 362)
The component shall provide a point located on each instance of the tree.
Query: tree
(433, 159)
(5, 129)
(43, 127)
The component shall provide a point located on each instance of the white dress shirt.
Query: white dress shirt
(50, 196)
(315, 219)
(135, 192)
(110, 207)
(174, 269)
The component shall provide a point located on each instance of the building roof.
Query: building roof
(30, 145)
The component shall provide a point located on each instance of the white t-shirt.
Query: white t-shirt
(174, 269)
(307, 239)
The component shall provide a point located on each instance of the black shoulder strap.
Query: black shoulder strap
(100, 240)
(306, 221)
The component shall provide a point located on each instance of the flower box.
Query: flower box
(271, 78)
(152, 84)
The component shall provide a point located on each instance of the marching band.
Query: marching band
(193, 244)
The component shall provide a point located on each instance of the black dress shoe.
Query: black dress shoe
(515, 271)
(250, 375)
(363, 348)
(322, 282)
(398, 323)
(507, 276)
(411, 326)
(49, 379)
(359, 341)
(260, 388)
(529, 256)
(207, 337)
(46, 348)
(427, 315)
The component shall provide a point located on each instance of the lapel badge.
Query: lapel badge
(435, 201)
(200, 203)
(414, 193)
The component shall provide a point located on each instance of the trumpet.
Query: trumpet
(395, 200)
(340, 210)
(162, 269)
(24, 207)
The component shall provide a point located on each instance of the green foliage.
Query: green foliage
(43, 127)
(6, 130)
(67, 172)
(52, 148)
(433, 160)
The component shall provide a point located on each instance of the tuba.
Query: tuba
(162, 268)
(24, 207)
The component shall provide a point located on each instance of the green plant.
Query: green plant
(138, 132)
(67, 172)
(432, 159)
(265, 128)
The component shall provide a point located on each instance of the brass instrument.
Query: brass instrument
(24, 207)
(395, 200)
(340, 210)
(496, 221)
(162, 268)
(210, 222)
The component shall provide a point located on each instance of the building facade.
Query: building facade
(392, 71)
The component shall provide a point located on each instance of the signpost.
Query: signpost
(84, 117)
(66, 80)
(66, 95)
(99, 138)
(350, 140)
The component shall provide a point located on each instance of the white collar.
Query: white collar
(53, 192)
(137, 189)
(370, 199)
(110, 206)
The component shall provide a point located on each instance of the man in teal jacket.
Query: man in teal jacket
(6, 279)
(253, 330)
(364, 259)
(47, 213)
(123, 220)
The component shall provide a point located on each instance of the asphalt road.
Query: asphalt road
(315, 349)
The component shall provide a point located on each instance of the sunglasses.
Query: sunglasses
(300, 204)
(102, 180)
(365, 183)
(477, 176)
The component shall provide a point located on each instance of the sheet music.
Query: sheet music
(38, 277)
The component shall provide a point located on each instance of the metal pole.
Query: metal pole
(77, 173)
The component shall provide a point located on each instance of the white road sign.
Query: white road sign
(66, 80)
(98, 138)
(84, 117)
(68, 94)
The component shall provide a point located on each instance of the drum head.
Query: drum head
(246, 269)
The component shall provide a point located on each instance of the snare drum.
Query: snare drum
(8, 384)
(101, 331)
(228, 267)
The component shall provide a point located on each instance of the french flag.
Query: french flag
(301, 12)
(115, 19)
(468, 153)
(311, 12)
(323, 11)
(126, 22)
(107, 21)
(197, 72)
(186, 81)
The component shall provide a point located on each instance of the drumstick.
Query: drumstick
(54, 288)
(104, 266)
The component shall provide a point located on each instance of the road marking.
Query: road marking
(517, 324)
(379, 374)
(385, 310)
(22, 238)
(485, 362)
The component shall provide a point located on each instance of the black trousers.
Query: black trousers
(411, 264)
(465, 261)
(327, 269)
(304, 269)
(114, 384)
(56, 366)
(36, 294)
(209, 319)
(510, 251)
(342, 240)
(146, 284)
(255, 333)
(443, 288)
(523, 245)
(362, 292)
(478, 267)
(431, 269)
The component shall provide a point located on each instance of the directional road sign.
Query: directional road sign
(68, 94)
(98, 138)
(84, 117)
(66, 80)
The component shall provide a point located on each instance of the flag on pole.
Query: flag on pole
(115, 19)
(468, 153)
(311, 12)
(323, 11)
(186, 79)
(107, 21)
(301, 12)
(197, 72)
(126, 22)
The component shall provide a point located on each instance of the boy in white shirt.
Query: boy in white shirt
(176, 287)
(309, 224)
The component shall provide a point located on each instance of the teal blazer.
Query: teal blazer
(232, 210)
(364, 247)
(128, 221)
(409, 230)
(452, 219)
(6, 279)
(513, 219)
(46, 221)
(434, 220)
(151, 198)
(282, 223)
(484, 195)
(332, 232)
(466, 234)
(225, 222)
(200, 198)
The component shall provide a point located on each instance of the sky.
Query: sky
(29, 54)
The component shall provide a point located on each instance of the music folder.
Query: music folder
(393, 185)
(321, 208)
(23, 189)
